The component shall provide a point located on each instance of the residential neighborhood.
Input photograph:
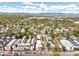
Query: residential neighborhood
(22, 35)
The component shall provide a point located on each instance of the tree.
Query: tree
(53, 35)
(9, 32)
(76, 33)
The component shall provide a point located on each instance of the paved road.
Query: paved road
(45, 46)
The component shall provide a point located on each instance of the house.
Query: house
(22, 30)
(23, 39)
(1, 45)
(8, 37)
(57, 29)
(29, 40)
(32, 43)
(49, 38)
(52, 45)
(32, 29)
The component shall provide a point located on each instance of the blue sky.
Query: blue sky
(39, 7)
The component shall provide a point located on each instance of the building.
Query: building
(76, 43)
(52, 45)
(21, 47)
(22, 44)
(38, 45)
(67, 44)
(9, 45)
(8, 48)
(38, 37)
(76, 22)
(48, 38)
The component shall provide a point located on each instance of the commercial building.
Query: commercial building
(67, 44)
(38, 45)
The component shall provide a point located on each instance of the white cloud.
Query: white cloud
(41, 8)
(5, 8)
(29, 3)
(54, 8)
(61, 6)
(32, 9)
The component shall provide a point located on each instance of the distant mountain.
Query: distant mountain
(60, 14)
(44, 14)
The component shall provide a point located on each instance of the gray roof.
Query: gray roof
(74, 42)
(11, 42)
(66, 43)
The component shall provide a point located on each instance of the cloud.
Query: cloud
(30, 7)
(33, 9)
(6, 8)
(29, 3)
(70, 8)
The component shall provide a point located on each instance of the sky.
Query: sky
(39, 7)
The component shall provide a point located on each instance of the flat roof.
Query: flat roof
(66, 43)
(24, 44)
(38, 42)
